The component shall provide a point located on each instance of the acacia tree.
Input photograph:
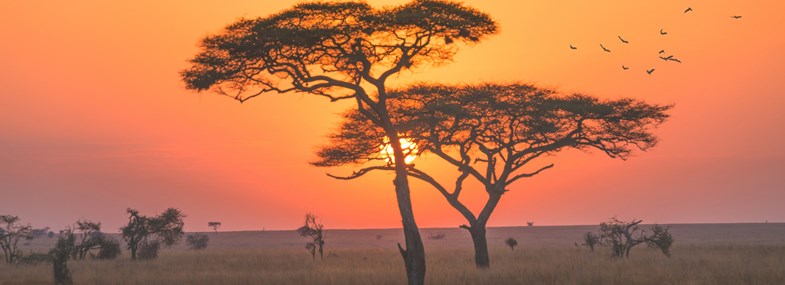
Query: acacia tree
(10, 234)
(622, 236)
(90, 238)
(494, 134)
(214, 225)
(341, 50)
(147, 233)
(315, 230)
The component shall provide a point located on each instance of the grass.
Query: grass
(544, 257)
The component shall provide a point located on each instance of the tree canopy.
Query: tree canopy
(330, 48)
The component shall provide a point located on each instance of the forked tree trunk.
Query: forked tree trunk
(414, 254)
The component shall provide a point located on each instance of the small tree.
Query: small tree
(590, 240)
(511, 242)
(90, 238)
(622, 236)
(10, 234)
(197, 241)
(314, 230)
(660, 238)
(66, 244)
(166, 229)
(214, 225)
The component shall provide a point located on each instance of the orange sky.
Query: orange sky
(94, 118)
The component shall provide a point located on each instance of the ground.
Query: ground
(702, 254)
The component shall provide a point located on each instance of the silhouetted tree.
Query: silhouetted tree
(315, 230)
(90, 238)
(197, 241)
(10, 234)
(148, 233)
(66, 244)
(494, 134)
(37, 233)
(341, 50)
(622, 236)
(511, 242)
(590, 240)
(214, 225)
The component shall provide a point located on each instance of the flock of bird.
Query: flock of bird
(661, 54)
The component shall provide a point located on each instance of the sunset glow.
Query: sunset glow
(409, 149)
(94, 117)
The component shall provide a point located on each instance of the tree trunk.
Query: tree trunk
(414, 254)
(481, 259)
(133, 252)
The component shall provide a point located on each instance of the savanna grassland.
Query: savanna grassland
(702, 254)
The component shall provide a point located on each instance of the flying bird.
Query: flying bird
(650, 71)
(624, 67)
(689, 9)
(675, 59)
(622, 40)
(573, 47)
(662, 51)
(605, 49)
(736, 17)
(662, 32)
(666, 58)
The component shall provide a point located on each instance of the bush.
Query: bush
(512, 243)
(110, 249)
(197, 241)
(149, 250)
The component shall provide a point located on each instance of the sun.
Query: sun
(408, 146)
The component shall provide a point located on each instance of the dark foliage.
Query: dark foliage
(11, 232)
(315, 230)
(149, 233)
(511, 242)
(197, 241)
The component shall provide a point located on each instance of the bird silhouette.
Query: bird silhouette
(622, 40)
(689, 9)
(650, 71)
(624, 67)
(605, 49)
(573, 47)
(675, 59)
(736, 17)
(666, 58)
(662, 51)
(662, 32)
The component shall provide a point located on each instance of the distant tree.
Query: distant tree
(341, 50)
(214, 225)
(315, 230)
(10, 234)
(51, 234)
(590, 240)
(529, 224)
(511, 242)
(622, 236)
(63, 250)
(660, 238)
(495, 134)
(37, 233)
(148, 233)
(90, 238)
(197, 241)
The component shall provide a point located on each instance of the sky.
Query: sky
(94, 118)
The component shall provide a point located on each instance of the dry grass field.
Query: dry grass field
(703, 254)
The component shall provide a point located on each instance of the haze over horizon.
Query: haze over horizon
(95, 119)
